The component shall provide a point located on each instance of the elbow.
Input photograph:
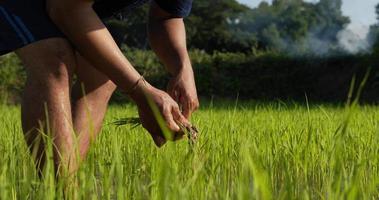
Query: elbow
(55, 10)
(61, 12)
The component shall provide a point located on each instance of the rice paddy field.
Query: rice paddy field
(245, 150)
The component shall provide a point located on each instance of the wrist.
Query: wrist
(139, 91)
(184, 69)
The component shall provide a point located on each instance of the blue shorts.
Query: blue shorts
(23, 22)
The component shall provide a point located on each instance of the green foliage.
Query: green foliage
(374, 34)
(258, 74)
(130, 28)
(288, 26)
(12, 78)
(247, 151)
(209, 26)
(266, 75)
(374, 38)
(294, 26)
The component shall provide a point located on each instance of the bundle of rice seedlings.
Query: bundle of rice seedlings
(190, 131)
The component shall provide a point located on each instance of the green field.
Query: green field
(245, 151)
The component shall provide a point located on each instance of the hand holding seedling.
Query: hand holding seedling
(159, 113)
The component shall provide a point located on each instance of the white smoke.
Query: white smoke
(316, 46)
(354, 39)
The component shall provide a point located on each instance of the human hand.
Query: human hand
(182, 89)
(159, 113)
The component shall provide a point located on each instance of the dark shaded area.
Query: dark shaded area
(264, 77)
(271, 78)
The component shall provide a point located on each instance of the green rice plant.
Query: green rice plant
(251, 150)
(190, 131)
(247, 150)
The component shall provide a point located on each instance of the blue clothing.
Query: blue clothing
(107, 8)
(181, 8)
(23, 22)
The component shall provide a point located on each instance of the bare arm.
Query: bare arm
(80, 23)
(167, 38)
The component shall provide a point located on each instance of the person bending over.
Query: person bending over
(56, 39)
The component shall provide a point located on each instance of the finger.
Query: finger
(179, 136)
(179, 116)
(187, 113)
(170, 120)
(156, 134)
(174, 94)
(182, 120)
(187, 108)
(196, 105)
(159, 140)
(193, 106)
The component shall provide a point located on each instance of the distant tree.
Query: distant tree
(290, 24)
(129, 27)
(226, 25)
(211, 26)
(330, 19)
(271, 37)
(374, 33)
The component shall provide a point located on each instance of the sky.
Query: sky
(361, 13)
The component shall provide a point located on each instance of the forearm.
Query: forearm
(167, 38)
(90, 37)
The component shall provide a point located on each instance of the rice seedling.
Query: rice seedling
(190, 131)
(250, 150)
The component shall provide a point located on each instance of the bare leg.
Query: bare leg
(49, 64)
(90, 100)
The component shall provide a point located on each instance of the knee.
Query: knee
(59, 64)
(57, 70)
(54, 65)
(104, 93)
(98, 94)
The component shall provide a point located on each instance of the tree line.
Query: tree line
(374, 33)
(291, 26)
